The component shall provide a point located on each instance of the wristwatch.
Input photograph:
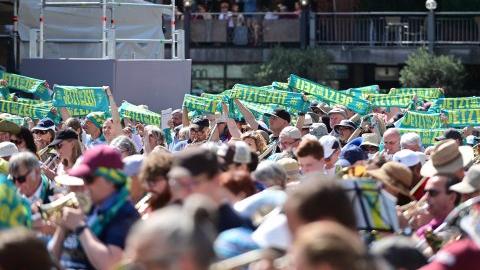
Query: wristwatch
(80, 229)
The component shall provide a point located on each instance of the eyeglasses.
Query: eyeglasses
(20, 179)
(41, 132)
(432, 192)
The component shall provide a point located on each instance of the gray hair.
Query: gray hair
(124, 144)
(270, 173)
(23, 159)
(410, 138)
(165, 240)
(184, 133)
(157, 133)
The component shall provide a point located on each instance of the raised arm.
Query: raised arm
(249, 117)
(185, 120)
(300, 121)
(117, 126)
(231, 125)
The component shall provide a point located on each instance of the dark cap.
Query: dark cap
(352, 154)
(450, 133)
(281, 113)
(197, 161)
(65, 134)
(345, 123)
(45, 124)
(201, 122)
(98, 156)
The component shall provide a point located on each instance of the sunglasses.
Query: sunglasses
(20, 179)
(41, 132)
(432, 192)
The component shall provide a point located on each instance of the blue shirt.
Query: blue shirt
(114, 233)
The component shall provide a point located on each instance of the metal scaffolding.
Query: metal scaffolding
(108, 38)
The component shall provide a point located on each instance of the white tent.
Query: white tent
(83, 27)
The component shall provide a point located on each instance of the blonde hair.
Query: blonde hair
(258, 138)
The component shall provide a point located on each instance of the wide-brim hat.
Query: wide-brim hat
(447, 158)
(371, 139)
(68, 180)
(395, 175)
(470, 183)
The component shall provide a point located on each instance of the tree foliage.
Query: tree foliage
(427, 70)
(310, 63)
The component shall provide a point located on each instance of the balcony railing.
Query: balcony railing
(400, 29)
(346, 28)
(245, 29)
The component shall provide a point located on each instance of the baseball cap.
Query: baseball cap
(318, 130)
(352, 154)
(470, 183)
(201, 122)
(290, 132)
(45, 124)
(196, 161)
(406, 157)
(7, 149)
(96, 157)
(238, 152)
(132, 165)
(281, 113)
(450, 133)
(472, 140)
(329, 144)
(65, 134)
(308, 122)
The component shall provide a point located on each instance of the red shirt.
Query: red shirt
(459, 255)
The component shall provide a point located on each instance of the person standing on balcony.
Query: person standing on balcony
(227, 15)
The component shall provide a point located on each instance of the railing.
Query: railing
(245, 29)
(394, 28)
(341, 28)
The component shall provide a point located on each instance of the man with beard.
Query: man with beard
(153, 176)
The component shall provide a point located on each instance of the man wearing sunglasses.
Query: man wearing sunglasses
(440, 200)
(25, 173)
(95, 240)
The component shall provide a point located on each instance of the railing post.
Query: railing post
(180, 38)
(186, 26)
(313, 29)
(303, 27)
(33, 44)
(111, 44)
(431, 30)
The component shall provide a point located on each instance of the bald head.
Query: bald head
(391, 139)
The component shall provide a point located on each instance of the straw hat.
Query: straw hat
(447, 158)
(395, 175)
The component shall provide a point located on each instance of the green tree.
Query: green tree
(310, 63)
(428, 70)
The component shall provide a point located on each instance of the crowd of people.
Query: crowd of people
(331, 190)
